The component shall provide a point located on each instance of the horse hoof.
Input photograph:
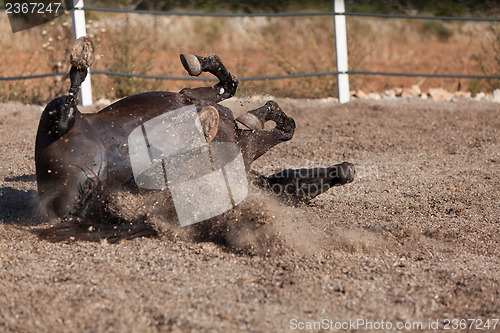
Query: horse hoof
(82, 53)
(209, 119)
(251, 121)
(351, 172)
(192, 64)
(345, 172)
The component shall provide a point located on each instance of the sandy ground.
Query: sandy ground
(413, 240)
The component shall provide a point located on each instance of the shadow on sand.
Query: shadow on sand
(20, 207)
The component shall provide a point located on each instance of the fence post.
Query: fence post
(79, 30)
(341, 51)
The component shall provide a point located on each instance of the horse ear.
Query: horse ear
(209, 119)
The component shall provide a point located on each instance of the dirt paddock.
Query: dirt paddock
(413, 240)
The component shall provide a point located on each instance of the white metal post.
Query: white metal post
(79, 30)
(341, 51)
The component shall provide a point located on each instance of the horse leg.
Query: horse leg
(256, 142)
(306, 184)
(81, 58)
(298, 183)
(224, 89)
(59, 115)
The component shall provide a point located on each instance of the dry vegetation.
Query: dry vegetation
(251, 47)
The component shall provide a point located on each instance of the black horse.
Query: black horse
(82, 158)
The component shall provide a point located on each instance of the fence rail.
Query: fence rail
(277, 77)
(172, 13)
(257, 78)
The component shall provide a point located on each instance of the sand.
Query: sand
(413, 241)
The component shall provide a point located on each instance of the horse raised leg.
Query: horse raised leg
(60, 115)
(224, 89)
(256, 142)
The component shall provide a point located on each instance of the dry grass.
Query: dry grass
(249, 47)
(490, 47)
